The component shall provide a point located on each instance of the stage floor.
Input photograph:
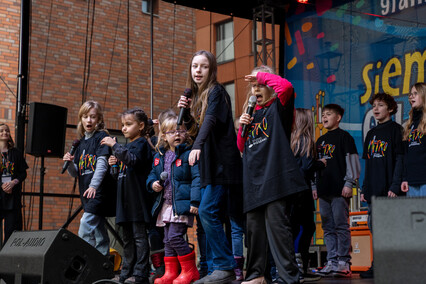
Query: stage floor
(354, 279)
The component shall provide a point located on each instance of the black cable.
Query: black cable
(112, 54)
(173, 52)
(90, 47)
(128, 51)
(83, 95)
(45, 53)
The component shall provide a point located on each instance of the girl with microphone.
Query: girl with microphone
(178, 201)
(219, 160)
(271, 176)
(90, 165)
(133, 201)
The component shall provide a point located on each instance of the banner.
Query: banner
(344, 52)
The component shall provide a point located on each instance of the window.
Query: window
(146, 5)
(230, 88)
(225, 42)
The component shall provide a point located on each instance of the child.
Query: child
(219, 159)
(97, 187)
(414, 178)
(334, 189)
(302, 215)
(179, 199)
(271, 176)
(383, 154)
(13, 173)
(133, 206)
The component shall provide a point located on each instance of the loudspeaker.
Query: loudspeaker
(46, 130)
(52, 257)
(399, 242)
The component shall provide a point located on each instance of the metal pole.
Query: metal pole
(40, 208)
(151, 6)
(21, 99)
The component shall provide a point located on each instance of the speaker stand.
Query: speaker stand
(40, 212)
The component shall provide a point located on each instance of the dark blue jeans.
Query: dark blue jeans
(217, 244)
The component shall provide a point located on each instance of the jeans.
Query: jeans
(92, 230)
(202, 245)
(416, 191)
(217, 244)
(337, 236)
(136, 250)
(237, 233)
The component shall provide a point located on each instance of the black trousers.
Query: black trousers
(12, 222)
(268, 227)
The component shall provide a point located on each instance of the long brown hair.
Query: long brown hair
(421, 90)
(200, 94)
(10, 143)
(84, 109)
(302, 136)
(264, 69)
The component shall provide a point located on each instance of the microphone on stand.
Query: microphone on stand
(250, 109)
(187, 93)
(163, 177)
(74, 147)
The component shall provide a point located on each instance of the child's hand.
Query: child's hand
(156, 186)
(404, 186)
(363, 198)
(193, 210)
(324, 161)
(68, 157)
(194, 156)
(90, 193)
(245, 119)
(251, 78)
(109, 141)
(184, 102)
(315, 194)
(112, 160)
(347, 192)
(391, 194)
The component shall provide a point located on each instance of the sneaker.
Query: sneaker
(367, 274)
(309, 277)
(220, 277)
(343, 270)
(329, 268)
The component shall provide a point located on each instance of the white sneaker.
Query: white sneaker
(343, 270)
(329, 268)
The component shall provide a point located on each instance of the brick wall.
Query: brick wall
(57, 67)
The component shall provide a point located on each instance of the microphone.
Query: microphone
(163, 177)
(74, 146)
(114, 168)
(187, 94)
(250, 109)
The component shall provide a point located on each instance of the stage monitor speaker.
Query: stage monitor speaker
(399, 242)
(52, 257)
(46, 130)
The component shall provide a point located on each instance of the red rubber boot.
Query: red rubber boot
(172, 270)
(189, 271)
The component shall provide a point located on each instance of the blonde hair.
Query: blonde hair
(10, 143)
(421, 90)
(201, 94)
(264, 69)
(302, 137)
(168, 124)
(84, 109)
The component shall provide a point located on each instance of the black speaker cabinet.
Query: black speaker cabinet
(46, 130)
(51, 257)
(399, 240)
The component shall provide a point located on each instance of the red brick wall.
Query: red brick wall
(57, 59)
